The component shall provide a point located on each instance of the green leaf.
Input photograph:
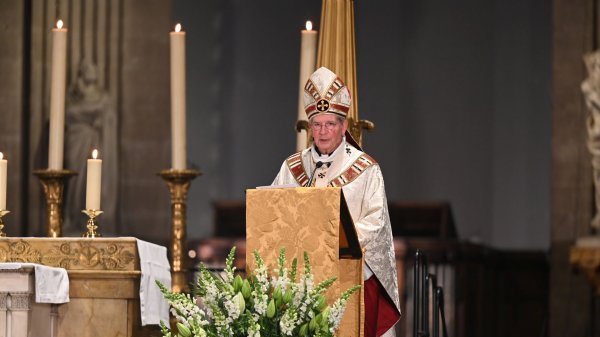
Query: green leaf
(183, 330)
(239, 300)
(325, 323)
(312, 325)
(288, 297)
(237, 283)
(303, 330)
(318, 318)
(321, 303)
(246, 290)
(277, 294)
(271, 309)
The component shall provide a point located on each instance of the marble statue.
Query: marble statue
(591, 91)
(91, 123)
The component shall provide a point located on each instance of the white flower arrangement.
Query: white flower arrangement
(258, 306)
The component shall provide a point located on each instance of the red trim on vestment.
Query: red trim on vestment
(380, 312)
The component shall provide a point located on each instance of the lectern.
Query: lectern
(315, 220)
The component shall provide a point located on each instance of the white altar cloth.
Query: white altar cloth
(154, 266)
(51, 284)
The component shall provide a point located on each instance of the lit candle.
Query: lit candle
(178, 131)
(94, 181)
(308, 55)
(57, 96)
(3, 169)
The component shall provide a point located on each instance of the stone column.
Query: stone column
(3, 312)
(570, 313)
(19, 308)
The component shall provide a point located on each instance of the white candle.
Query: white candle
(94, 182)
(308, 55)
(57, 97)
(3, 169)
(178, 131)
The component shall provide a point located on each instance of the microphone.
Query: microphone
(319, 164)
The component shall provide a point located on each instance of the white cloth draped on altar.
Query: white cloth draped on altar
(51, 284)
(154, 265)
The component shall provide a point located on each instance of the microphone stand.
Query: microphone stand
(312, 176)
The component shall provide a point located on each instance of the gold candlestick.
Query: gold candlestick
(53, 182)
(3, 212)
(179, 182)
(92, 225)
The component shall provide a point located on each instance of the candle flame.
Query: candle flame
(59, 24)
(1, 156)
(95, 154)
(308, 25)
(178, 27)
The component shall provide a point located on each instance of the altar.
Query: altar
(111, 289)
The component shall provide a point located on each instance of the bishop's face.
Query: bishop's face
(327, 132)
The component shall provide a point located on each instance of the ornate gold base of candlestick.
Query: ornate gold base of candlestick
(3, 212)
(53, 182)
(92, 225)
(179, 182)
(585, 256)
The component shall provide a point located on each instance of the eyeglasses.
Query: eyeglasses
(316, 126)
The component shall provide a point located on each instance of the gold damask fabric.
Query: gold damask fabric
(304, 219)
(276, 218)
(351, 273)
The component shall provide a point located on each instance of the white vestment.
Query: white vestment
(366, 200)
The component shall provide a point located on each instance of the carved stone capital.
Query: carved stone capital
(3, 301)
(20, 301)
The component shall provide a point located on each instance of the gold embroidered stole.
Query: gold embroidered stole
(352, 172)
(294, 163)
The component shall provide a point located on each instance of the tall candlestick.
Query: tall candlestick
(308, 55)
(178, 131)
(3, 169)
(94, 181)
(57, 97)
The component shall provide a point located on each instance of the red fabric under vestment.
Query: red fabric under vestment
(380, 312)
